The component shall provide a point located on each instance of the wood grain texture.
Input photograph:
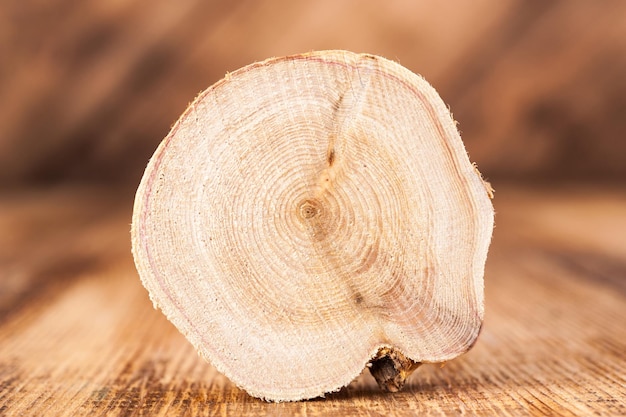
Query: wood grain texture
(292, 233)
(78, 335)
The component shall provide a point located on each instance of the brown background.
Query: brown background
(88, 89)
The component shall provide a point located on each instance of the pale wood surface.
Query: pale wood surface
(78, 335)
(309, 226)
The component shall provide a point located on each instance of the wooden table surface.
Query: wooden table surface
(78, 335)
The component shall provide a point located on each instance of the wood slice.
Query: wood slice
(310, 213)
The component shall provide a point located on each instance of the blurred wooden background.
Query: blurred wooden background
(88, 89)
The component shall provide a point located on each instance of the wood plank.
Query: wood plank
(78, 335)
